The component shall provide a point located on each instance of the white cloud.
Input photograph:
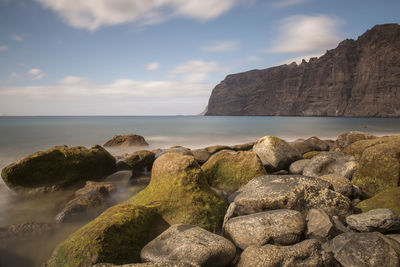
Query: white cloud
(93, 14)
(3, 48)
(72, 80)
(309, 34)
(221, 46)
(152, 66)
(195, 70)
(36, 74)
(287, 3)
(17, 37)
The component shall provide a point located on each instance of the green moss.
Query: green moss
(230, 170)
(356, 149)
(140, 160)
(116, 236)
(59, 166)
(217, 148)
(311, 154)
(379, 168)
(179, 187)
(387, 199)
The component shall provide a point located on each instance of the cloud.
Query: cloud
(287, 3)
(152, 66)
(195, 70)
(36, 74)
(17, 37)
(309, 34)
(3, 48)
(93, 14)
(221, 46)
(72, 80)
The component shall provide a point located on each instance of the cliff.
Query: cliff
(359, 78)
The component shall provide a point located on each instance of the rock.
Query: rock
(279, 227)
(92, 198)
(395, 237)
(331, 163)
(322, 227)
(275, 153)
(271, 192)
(311, 154)
(342, 82)
(176, 149)
(364, 249)
(302, 147)
(387, 199)
(307, 253)
(316, 142)
(189, 244)
(243, 147)
(140, 160)
(340, 184)
(379, 168)
(357, 148)
(298, 166)
(216, 148)
(150, 264)
(380, 220)
(116, 236)
(201, 155)
(179, 186)
(58, 167)
(349, 138)
(24, 231)
(126, 140)
(229, 170)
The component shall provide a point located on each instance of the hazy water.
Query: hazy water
(21, 136)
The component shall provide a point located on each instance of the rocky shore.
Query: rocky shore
(308, 202)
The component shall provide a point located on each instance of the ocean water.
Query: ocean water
(21, 136)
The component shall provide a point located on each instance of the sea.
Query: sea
(21, 136)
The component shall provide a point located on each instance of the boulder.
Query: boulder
(189, 244)
(229, 170)
(298, 166)
(243, 147)
(349, 138)
(321, 226)
(340, 184)
(395, 237)
(387, 199)
(356, 149)
(116, 236)
(307, 253)
(58, 167)
(364, 249)
(90, 199)
(201, 155)
(331, 163)
(311, 154)
(318, 143)
(217, 148)
(380, 220)
(178, 184)
(150, 264)
(302, 147)
(275, 153)
(126, 140)
(140, 160)
(176, 149)
(279, 227)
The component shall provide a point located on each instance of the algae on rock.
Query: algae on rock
(387, 199)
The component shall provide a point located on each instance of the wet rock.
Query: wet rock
(275, 153)
(380, 220)
(140, 160)
(298, 166)
(387, 199)
(340, 184)
(126, 140)
(331, 163)
(190, 244)
(364, 249)
(229, 170)
(311, 154)
(321, 226)
(349, 138)
(201, 155)
(279, 227)
(316, 142)
(307, 253)
(58, 167)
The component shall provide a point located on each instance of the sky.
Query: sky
(159, 57)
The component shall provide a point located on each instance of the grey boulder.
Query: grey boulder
(381, 220)
(323, 227)
(298, 166)
(340, 184)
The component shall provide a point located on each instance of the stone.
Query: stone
(229, 170)
(321, 226)
(364, 249)
(243, 147)
(150, 264)
(298, 166)
(216, 148)
(126, 140)
(140, 160)
(316, 142)
(340, 184)
(58, 167)
(307, 253)
(116, 236)
(189, 244)
(387, 199)
(331, 163)
(311, 154)
(302, 147)
(176, 149)
(275, 153)
(180, 188)
(357, 148)
(395, 237)
(279, 227)
(201, 155)
(380, 220)
(346, 139)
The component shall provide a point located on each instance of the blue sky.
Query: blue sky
(158, 57)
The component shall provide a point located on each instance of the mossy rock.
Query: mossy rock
(243, 147)
(349, 138)
(311, 154)
(229, 170)
(379, 168)
(387, 199)
(116, 236)
(179, 186)
(217, 148)
(59, 167)
(140, 160)
(356, 149)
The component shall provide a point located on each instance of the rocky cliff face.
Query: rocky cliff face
(358, 78)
